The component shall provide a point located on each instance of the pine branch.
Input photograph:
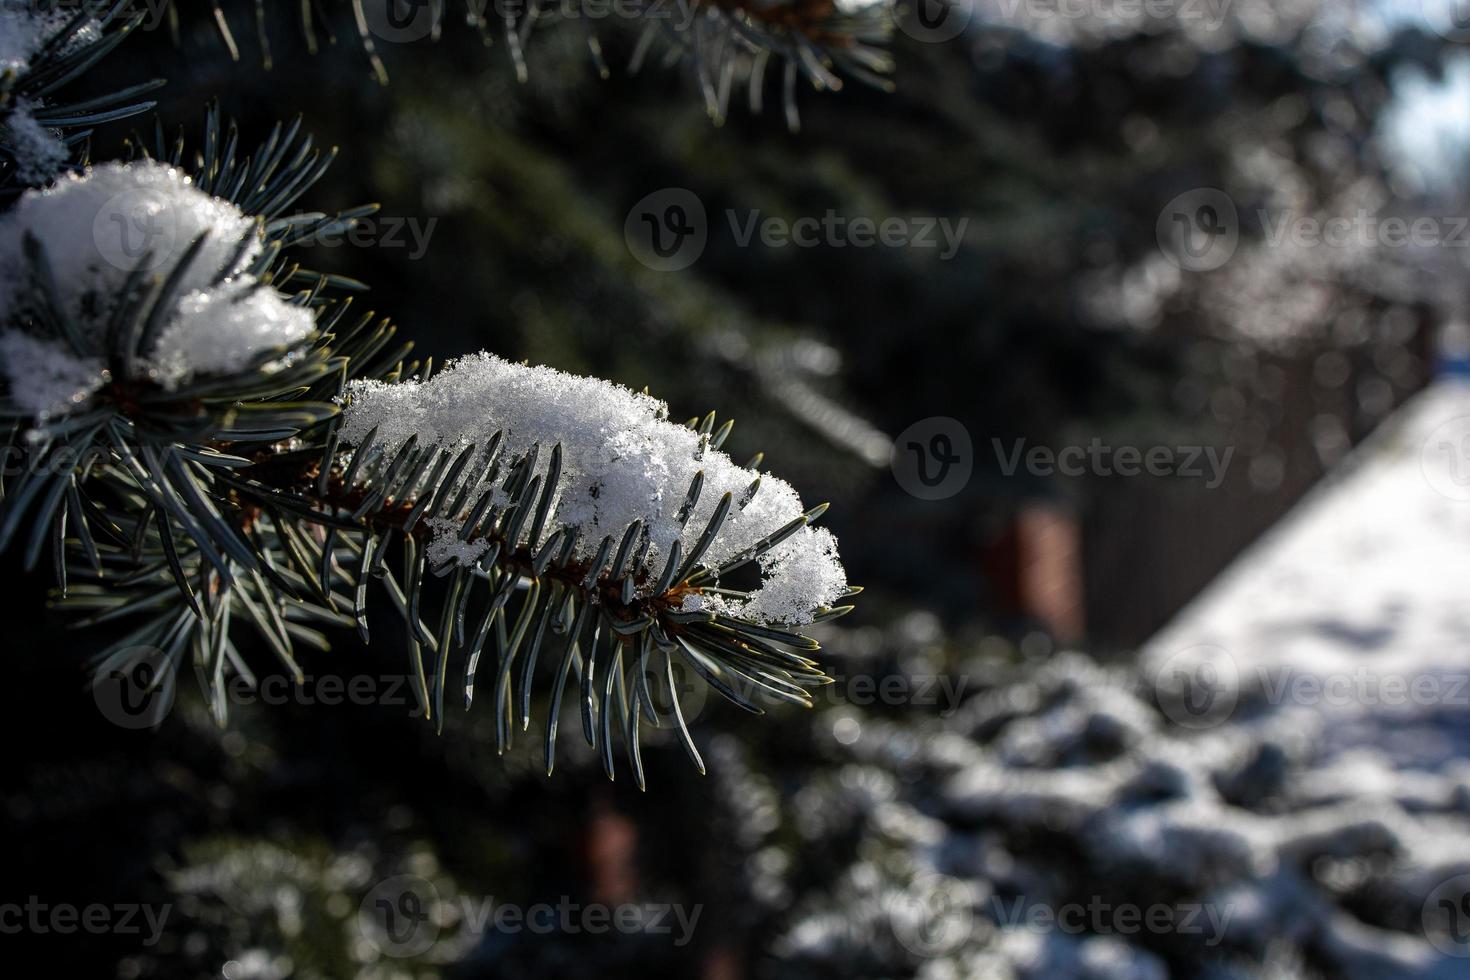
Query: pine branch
(39, 131)
(265, 491)
(729, 43)
(312, 545)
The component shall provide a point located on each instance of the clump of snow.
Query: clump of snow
(97, 228)
(792, 573)
(24, 30)
(216, 331)
(38, 151)
(446, 546)
(46, 378)
(622, 461)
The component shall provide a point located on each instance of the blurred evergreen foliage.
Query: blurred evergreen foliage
(1062, 157)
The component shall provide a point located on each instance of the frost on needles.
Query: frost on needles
(24, 31)
(95, 231)
(215, 459)
(622, 461)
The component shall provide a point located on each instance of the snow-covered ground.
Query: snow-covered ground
(1283, 779)
(1353, 612)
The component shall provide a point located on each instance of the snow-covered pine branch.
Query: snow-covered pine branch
(622, 461)
(25, 31)
(96, 232)
(42, 46)
(731, 45)
(217, 456)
